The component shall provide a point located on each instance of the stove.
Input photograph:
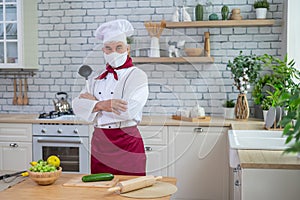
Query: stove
(67, 140)
(54, 114)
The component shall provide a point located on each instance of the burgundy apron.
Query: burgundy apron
(118, 151)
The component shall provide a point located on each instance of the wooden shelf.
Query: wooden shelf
(173, 60)
(221, 23)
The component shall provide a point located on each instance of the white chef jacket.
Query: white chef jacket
(131, 86)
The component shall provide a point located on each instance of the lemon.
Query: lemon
(33, 163)
(53, 160)
(25, 174)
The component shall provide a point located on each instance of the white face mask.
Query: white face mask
(116, 59)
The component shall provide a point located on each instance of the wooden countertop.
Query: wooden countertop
(248, 158)
(161, 120)
(28, 190)
(268, 159)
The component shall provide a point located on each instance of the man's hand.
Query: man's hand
(112, 105)
(87, 96)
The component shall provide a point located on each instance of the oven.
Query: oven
(70, 142)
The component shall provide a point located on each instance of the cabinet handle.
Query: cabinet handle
(198, 130)
(238, 168)
(237, 183)
(13, 145)
(148, 148)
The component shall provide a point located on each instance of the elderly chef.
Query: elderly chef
(115, 104)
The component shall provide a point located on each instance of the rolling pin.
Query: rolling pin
(134, 184)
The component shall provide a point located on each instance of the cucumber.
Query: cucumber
(97, 177)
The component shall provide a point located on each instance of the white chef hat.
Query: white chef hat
(116, 30)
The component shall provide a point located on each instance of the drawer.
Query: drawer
(154, 134)
(198, 129)
(15, 132)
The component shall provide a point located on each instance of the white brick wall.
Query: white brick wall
(66, 42)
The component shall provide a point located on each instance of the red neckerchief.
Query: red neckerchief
(110, 69)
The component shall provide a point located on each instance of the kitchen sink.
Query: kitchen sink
(257, 139)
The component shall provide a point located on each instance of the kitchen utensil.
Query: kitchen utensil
(207, 44)
(270, 117)
(20, 96)
(85, 71)
(77, 182)
(159, 189)
(25, 100)
(155, 29)
(15, 92)
(61, 105)
(12, 174)
(134, 184)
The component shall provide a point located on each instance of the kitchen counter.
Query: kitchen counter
(146, 121)
(248, 158)
(29, 190)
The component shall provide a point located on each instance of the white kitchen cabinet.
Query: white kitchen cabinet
(18, 34)
(155, 142)
(15, 146)
(198, 158)
(265, 184)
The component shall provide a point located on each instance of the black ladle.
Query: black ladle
(85, 71)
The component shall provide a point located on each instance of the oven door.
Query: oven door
(72, 151)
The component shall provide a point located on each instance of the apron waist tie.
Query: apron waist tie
(122, 124)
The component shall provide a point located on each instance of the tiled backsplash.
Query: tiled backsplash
(66, 42)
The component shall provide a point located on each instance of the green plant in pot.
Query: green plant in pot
(229, 104)
(279, 75)
(245, 70)
(266, 104)
(261, 7)
(229, 109)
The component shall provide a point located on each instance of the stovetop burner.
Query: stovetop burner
(54, 114)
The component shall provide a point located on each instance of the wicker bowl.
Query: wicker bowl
(193, 52)
(45, 178)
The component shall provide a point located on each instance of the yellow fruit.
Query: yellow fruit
(25, 174)
(53, 160)
(33, 163)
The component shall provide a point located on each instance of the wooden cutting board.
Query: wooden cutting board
(189, 119)
(77, 182)
(159, 189)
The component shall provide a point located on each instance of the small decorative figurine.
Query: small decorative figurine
(186, 16)
(174, 48)
(175, 17)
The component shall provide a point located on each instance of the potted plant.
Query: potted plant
(279, 76)
(261, 7)
(229, 109)
(245, 70)
(266, 104)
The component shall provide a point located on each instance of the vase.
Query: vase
(154, 47)
(241, 110)
(261, 13)
(229, 113)
(225, 12)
